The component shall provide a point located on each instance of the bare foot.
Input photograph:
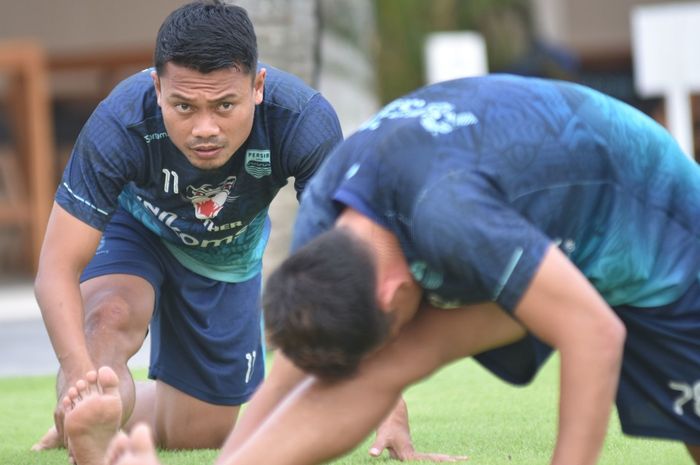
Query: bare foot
(135, 449)
(93, 416)
(50, 440)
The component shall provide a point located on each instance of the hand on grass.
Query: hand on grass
(394, 435)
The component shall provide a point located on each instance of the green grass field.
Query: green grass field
(460, 410)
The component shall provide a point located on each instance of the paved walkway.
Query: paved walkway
(24, 345)
(25, 348)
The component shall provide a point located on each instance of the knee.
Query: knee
(110, 313)
(112, 317)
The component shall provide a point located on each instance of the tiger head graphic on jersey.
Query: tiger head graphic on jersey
(209, 200)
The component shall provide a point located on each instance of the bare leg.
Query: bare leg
(118, 309)
(135, 449)
(694, 451)
(208, 425)
(144, 406)
(123, 305)
(93, 415)
(165, 409)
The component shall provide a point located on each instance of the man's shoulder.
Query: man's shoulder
(283, 89)
(134, 99)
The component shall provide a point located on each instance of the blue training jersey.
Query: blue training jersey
(213, 221)
(477, 177)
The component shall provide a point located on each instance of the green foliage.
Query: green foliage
(461, 410)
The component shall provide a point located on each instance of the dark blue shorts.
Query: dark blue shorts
(659, 391)
(205, 334)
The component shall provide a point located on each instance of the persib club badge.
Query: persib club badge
(257, 163)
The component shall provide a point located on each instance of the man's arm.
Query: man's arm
(282, 379)
(284, 376)
(563, 309)
(321, 420)
(68, 246)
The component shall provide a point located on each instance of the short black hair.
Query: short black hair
(321, 308)
(207, 36)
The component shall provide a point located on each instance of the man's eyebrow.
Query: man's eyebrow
(178, 96)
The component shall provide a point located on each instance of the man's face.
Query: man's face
(208, 116)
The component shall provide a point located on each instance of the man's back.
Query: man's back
(477, 176)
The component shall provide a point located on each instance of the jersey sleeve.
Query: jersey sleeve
(315, 135)
(319, 209)
(99, 167)
(477, 241)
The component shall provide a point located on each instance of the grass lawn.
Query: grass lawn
(460, 410)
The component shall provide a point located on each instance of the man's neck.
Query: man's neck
(384, 245)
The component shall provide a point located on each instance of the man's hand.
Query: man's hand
(394, 435)
(59, 415)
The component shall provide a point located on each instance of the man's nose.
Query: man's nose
(205, 126)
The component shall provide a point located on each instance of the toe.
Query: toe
(82, 388)
(67, 403)
(142, 439)
(91, 380)
(116, 448)
(108, 381)
(73, 394)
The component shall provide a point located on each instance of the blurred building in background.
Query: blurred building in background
(361, 53)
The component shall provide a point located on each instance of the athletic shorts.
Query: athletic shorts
(659, 391)
(205, 334)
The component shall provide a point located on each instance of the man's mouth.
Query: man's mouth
(207, 151)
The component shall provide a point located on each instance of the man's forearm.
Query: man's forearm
(281, 380)
(562, 308)
(68, 246)
(61, 308)
(588, 385)
(317, 422)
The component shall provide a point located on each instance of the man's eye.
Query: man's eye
(225, 106)
(183, 107)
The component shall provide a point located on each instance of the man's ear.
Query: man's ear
(156, 84)
(388, 293)
(259, 86)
